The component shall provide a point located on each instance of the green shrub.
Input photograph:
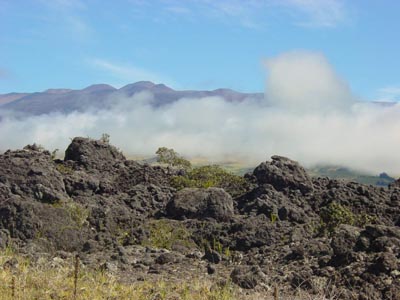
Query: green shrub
(211, 176)
(105, 138)
(217, 246)
(167, 233)
(63, 169)
(364, 219)
(54, 154)
(273, 217)
(78, 213)
(335, 214)
(172, 158)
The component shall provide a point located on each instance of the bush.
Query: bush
(105, 138)
(172, 158)
(335, 214)
(64, 169)
(211, 176)
(167, 233)
(77, 212)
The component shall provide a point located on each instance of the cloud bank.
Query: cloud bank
(309, 115)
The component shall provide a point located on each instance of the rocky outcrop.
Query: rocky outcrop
(283, 173)
(93, 154)
(124, 217)
(30, 173)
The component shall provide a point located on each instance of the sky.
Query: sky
(318, 62)
(195, 44)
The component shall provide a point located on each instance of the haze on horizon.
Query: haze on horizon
(316, 61)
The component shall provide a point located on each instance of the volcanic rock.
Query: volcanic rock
(201, 203)
(283, 173)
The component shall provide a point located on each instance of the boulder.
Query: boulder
(212, 256)
(264, 199)
(93, 154)
(31, 174)
(283, 173)
(380, 238)
(343, 244)
(196, 203)
(385, 263)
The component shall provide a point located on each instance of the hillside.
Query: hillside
(333, 172)
(276, 226)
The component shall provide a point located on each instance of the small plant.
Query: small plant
(76, 272)
(273, 217)
(123, 237)
(77, 212)
(105, 138)
(364, 219)
(217, 246)
(166, 233)
(227, 252)
(54, 154)
(63, 169)
(335, 214)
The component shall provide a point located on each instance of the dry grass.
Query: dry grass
(56, 280)
(67, 279)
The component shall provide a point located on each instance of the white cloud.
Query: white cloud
(68, 13)
(389, 94)
(256, 13)
(318, 13)
(128, 73)
(246, 13)
(304, 81)
(360, 135)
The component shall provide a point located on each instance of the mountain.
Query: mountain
(7, 98)
(102, 96)
(335, 172)
(61, 100)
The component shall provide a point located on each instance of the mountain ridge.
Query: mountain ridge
(99, 96)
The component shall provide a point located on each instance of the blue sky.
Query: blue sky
(194, 44)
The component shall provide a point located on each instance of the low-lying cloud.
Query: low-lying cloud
(304, 81)
(309, 115)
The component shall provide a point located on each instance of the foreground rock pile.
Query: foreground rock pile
(286, 230)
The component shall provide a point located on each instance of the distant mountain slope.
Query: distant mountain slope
(334, 172)
(61, 100)
(103, 95)
(7, 98)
